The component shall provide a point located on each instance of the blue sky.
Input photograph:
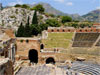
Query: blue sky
(67, 6)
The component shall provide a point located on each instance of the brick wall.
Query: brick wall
(25, 45)
(55, 29)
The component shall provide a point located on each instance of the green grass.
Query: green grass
(58, 40)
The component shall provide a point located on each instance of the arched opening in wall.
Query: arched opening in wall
(80, 30)
(52, 30)
(57, 30)
(50, 60)
(69, 30)
(33, 56)
(42, 46)
(63, 30)
(85, 30)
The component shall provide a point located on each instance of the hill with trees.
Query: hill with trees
(12, 17)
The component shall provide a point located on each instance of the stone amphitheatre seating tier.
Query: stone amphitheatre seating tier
(98, 43)
(86, 68)
(85, 39)
(82, 44)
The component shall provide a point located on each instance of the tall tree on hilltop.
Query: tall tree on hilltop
(20, 31)
(39, 8)
(27, 29)
(35, 19)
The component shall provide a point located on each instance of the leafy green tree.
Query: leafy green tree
(20, 31)
(25, 6)
(27, 29)
(52, 15)
(36, 29)
(53, 23)
(17, 5)
(75, 25)
(66, 19)
(43, 27)
(35, 18)
(39, 8)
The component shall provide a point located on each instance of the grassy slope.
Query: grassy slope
(58, 40)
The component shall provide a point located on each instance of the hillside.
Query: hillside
(77, 17)
(12, 17)
(93, 15)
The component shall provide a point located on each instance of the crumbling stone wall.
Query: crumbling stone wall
(6, 67)
(24, 45)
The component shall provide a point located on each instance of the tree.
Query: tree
(17, 5)
(20, 31)
(53, 23)
(35, 19)
(36, 29)
(39, 8)
(52, 15)
(43, 27)
(27, 29)
(75, 25)
(66, 19)
(25, 6)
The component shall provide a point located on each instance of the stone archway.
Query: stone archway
(50, 60)
(33, 56)
(42, 46)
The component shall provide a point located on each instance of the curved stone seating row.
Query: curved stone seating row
(85, 39)
(98, 43)
(40, 70)
(86, 68)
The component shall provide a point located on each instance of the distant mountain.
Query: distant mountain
(77, 17)
(49, 9)
(93, 16)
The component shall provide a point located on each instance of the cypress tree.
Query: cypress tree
(35, 19)
(36, 30)
(27, 29)
(20, 31)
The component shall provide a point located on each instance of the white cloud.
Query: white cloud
(14, 3)
(60, 1)
(34, 3)
(69, 3)
(98, 7)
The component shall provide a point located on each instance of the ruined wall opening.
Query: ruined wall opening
(42, 46)
(50, 60)
(33, 56)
